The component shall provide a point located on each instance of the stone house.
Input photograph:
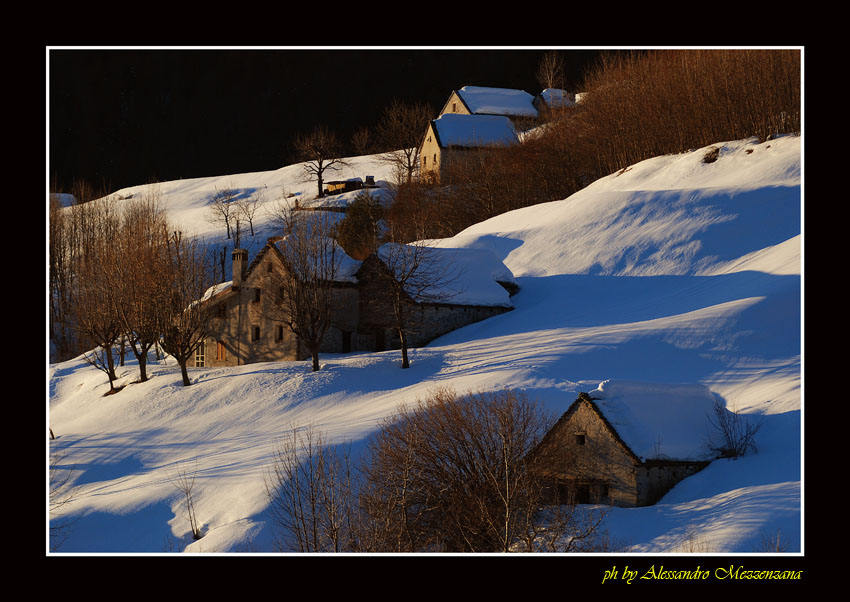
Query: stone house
(474, 117)
(451, 137)
(247, 325)
(626, 444)
(517, 105)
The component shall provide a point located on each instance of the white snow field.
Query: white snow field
(672, 275)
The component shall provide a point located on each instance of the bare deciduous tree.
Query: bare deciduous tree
(361, 141)
(400, 132)
(186, 317)
(223, 209)
(735, 432)
(97, 304)
(183, 480)
(142, 248)
(320, 151)
(457, 473)
(406, 274)
(247, 205)
(311, 501)
(312, 261)
(550, 70)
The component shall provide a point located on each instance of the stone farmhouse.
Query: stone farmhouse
(517, 105)
(476, 117)
(472, 118)
(626, 444)
(450, 137)
(249, 327)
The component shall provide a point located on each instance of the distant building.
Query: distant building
(626, 445)
(552, 100)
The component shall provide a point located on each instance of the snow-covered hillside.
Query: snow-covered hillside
(672, 272)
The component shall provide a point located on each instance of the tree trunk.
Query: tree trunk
(315, 361)
(405, 362)
(185, 374)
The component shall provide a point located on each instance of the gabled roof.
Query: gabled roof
(473, 131)
(658, 421)
(556, 98)
(345, 269)
(497, 101)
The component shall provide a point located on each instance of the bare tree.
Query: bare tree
(550, 70)
(406, 274)
(183, 480)
(97, 302)
(247, 205)
(186, 317)
(311, 500)
(457, 473)
(736, 433)
(400, 132)
(222, 209)
(63, 250)
(142, 248)
(320, 151)
(361, 141)
(312, 262)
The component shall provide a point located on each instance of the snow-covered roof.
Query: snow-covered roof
(346, 267)
(474, 130)
(458, 276)
(498, 101)
(555, 97)
(658, 421)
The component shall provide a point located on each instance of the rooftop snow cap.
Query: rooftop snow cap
(498, 101)
(474, 131)
(657, 420)
(460, 276)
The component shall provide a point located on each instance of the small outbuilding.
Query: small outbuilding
(627, 443)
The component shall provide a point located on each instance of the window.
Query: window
(220, 351)
(256, 295)
(221, 310)
(424, 161)
(278, 333)
(199, 355)
(269, 267)
(255, 333)
(454, 107)
(580, 438)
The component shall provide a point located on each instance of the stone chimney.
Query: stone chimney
(240, 265)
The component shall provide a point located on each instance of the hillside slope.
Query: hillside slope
(673, 271)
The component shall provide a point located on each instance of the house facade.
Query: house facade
(249, 326)
(586, 460)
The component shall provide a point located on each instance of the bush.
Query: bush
(736, 433)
